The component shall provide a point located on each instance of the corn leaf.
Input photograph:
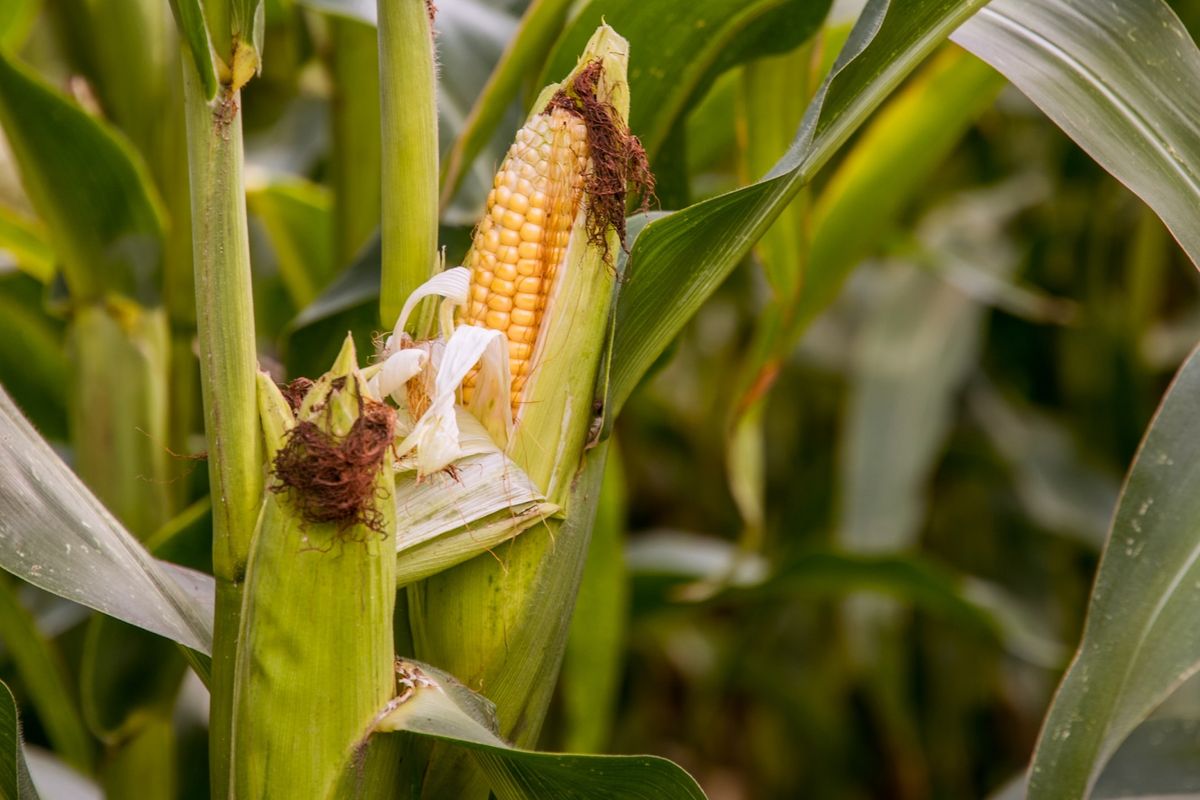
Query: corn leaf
(678, 260)
(15, 783)
(58, 536)
(189, 17)
(432, 704)
(664, 71)
(1140, 640)
(16, 18)
(889, 165)
(45, 677)
(1119, 81)
(297, 217)
(25, 242)
(90, 188)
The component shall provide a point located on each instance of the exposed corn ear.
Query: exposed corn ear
(522, 240)
(498, 622)
(319, 590)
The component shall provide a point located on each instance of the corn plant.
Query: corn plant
(367, 547)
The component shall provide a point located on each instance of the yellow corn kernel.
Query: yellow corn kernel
(522, 239)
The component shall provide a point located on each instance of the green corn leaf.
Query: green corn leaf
(189, 18)
(91, 190)
(297, 216)
(665, 71)
(16, 18)
(1140, 641)
(1087, 66)
(45, 677)
(678, 260)
(59, 537)
(433, 704)
(15, 783)
(25, 241)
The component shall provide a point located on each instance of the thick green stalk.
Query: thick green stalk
(228, 366)
(410, 157)
(357, 150)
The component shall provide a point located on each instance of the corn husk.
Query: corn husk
(315, 663)
(498, 622)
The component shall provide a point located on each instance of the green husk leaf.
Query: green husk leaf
(317, 605)
(485, 619)
(446, 519)
(595, 645)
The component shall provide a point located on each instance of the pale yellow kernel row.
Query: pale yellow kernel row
(522, 239)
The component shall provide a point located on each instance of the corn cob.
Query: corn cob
(522, 240)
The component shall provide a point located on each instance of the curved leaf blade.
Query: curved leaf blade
(45, 678)
(15, 783)
(1140, 640)
(189, 18)
(1119, 80)
(679, 260)
(89, 186)
(435, 705)
(55, 534)
(664, 71)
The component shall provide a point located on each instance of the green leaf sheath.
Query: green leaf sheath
(59, 537)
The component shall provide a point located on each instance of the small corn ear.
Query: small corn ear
(315, 662)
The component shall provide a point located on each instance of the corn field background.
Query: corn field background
(853, 454)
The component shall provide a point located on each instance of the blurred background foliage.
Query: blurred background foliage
(857, 573)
